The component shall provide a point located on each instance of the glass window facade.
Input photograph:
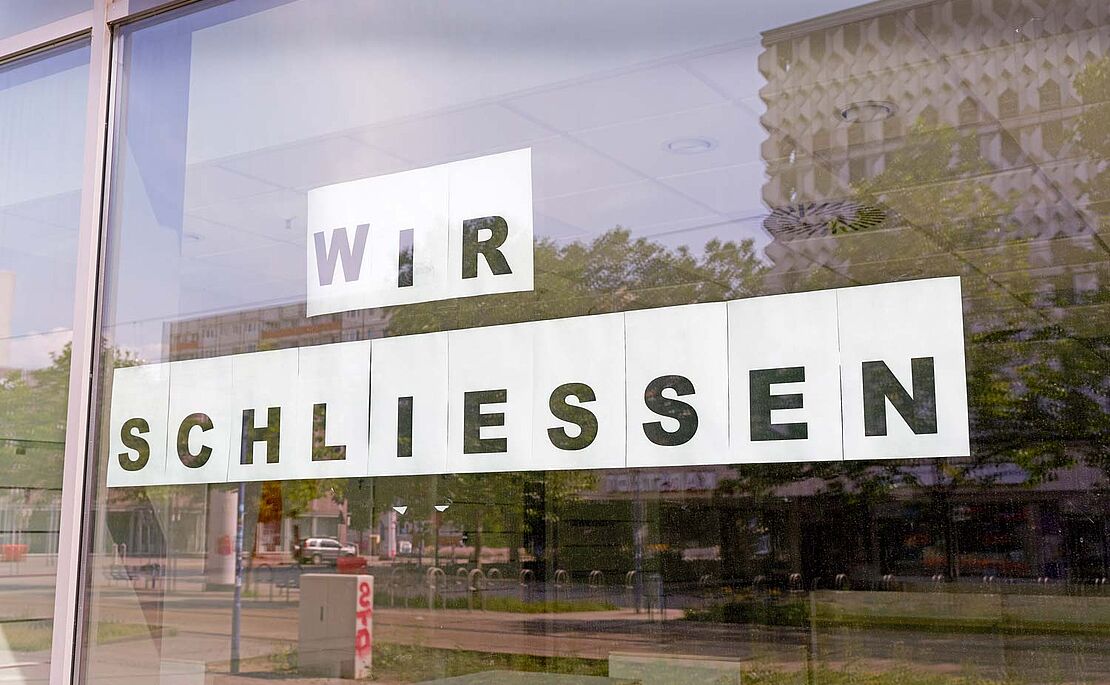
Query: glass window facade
(629, 342)
(42, 107)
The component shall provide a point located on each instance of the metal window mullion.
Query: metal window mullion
(77, 484)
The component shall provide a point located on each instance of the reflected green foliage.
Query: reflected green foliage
(927, 613)
(35, 636)
(934, 183)
(614, 272)
(1038, 380)
(1038, 365)
(492, 509)
(850, 675)
(1092, 132)
(1092, 409)
(33, 420)
(33, 424)
(757, 611)
(412, 663)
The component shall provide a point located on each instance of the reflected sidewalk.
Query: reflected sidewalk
(198, 628)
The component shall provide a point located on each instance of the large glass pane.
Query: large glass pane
(770, 491)
(17, 16)
(42, 115)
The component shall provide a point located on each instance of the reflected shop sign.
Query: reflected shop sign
(660, 481)
(869, 372)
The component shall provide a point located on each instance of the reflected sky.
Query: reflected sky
(42, 116)
(644, 116)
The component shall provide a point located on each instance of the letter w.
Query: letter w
(340, 249)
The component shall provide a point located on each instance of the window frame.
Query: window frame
(97, 26)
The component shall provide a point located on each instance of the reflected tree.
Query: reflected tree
(1036, 369)
(614, 272)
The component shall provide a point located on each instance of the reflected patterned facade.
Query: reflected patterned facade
(943, 139)
(996, 82)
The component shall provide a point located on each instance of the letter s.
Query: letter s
(128, 435)
(685, 414)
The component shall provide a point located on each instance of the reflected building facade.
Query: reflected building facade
(885, 159)
(850, 97)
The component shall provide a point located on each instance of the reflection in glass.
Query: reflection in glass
(698, 152)
(17, 16)
(42, 114)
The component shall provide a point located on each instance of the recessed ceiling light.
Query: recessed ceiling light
(690, 146)
(867, 111)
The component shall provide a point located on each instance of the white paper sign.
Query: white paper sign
(874, 372)
(499, 187)
(357, 237)
(331, 422)
(784, 349)
(137, 443)
(452, 230)
(408, 408)
(902, 369)
(200, 421)
(677, 385)
(579, 373)
(265, 385)
(490, 402)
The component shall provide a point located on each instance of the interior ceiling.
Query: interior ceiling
(600, 157)
(593, 169)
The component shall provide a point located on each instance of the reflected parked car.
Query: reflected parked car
(318, 551)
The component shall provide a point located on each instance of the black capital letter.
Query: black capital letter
(340, 249)
(134, 442)
(270, 434)
(763, 403)
(320, 450)
(405, 249)
(676, 409)
(471, 246)
(474, 420)
(582, 417)
(880, 385)
(404, 426)
(204, 423)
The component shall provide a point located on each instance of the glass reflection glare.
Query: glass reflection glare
(990, 165)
